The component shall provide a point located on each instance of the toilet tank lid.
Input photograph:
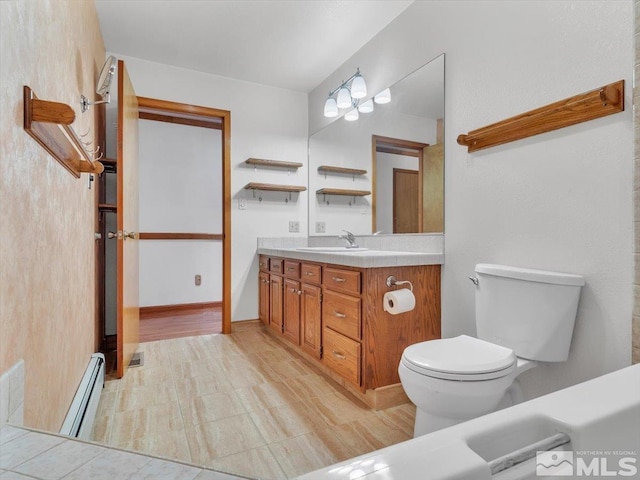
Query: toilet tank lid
(531, 275)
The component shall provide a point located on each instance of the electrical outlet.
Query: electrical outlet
(242, 204)
(294, 226)
(321, 227)
(198, 280)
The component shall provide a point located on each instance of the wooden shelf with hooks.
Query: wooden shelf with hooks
(342, 191)
(49, 123)
(107, 207)
(349, 171)
(271, 187)
(272, 163)
(597, 103)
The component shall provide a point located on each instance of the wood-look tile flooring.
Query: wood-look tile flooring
(241, 403)
(180, 323)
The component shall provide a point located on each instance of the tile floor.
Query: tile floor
(243, 404)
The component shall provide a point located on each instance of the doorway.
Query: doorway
(186, 233)
(397, 170)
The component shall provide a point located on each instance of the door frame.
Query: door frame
(199, 116)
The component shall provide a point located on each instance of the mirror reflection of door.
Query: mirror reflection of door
(406, 201)
(397, 189)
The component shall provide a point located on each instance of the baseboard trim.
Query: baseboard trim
(166, 309)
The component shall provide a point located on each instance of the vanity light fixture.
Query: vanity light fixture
(383, 97)
(346, 95)
(352, 115)
(366, 107)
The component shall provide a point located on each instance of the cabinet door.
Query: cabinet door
(275, 294)
(263, 297)
(292, 294)
(310, 319)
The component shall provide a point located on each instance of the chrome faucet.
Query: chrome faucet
(350, 238)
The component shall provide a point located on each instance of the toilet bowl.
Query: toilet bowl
(523, 317)
(447, 391)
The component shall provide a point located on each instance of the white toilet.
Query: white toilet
(523, 316)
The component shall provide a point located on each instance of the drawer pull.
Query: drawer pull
(309, 274)
(339, 315)
(338, 279)
(290, 269)
(339, 355)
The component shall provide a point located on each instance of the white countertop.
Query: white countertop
(361, 258)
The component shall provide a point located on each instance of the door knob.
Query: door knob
(113, 235)
(131, 235)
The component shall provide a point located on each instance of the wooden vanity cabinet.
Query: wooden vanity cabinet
(264, 295)
(292, 295)
(335, 315)
(311, 310)
(276, 283)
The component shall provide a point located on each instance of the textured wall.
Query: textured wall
(636, 192)
(47, 279)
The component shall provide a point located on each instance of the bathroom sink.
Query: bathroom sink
(332, 249)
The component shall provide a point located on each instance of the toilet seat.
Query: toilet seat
(460, 358)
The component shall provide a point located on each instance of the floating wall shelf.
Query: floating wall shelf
(349, 171)
(341, 191)
(49, 123)
(272, 163)
(271, 187)
(579, 108)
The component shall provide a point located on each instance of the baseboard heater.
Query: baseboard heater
(82, 413)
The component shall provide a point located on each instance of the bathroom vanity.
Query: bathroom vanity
(329, 308)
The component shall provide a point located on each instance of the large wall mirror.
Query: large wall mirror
(383, 172)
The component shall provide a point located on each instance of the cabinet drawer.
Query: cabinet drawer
(342, 313)
(275, 265)
(344, 280)
(291, 269)
(311, 273)
(263, 263)
(341, 354)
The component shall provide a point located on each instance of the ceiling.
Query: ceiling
(292, 44)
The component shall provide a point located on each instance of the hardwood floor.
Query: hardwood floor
(180, 323)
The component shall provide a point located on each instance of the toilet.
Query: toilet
(523, 317)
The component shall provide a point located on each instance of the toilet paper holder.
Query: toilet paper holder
(392, 282)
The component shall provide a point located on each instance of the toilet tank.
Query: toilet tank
(530, 311)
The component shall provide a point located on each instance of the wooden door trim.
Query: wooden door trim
(222, 117)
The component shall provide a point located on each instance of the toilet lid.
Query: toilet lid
(460, 358)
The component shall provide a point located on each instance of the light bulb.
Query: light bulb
(344, 98)
(366, 107)
(330, 108)
(358, 87)
(351, 115)
(383, 97)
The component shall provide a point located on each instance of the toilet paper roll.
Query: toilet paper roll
(399, 301)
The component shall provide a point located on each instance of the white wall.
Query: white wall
(180, 180)
(561, 200)
(267, 123)
(385, 164)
